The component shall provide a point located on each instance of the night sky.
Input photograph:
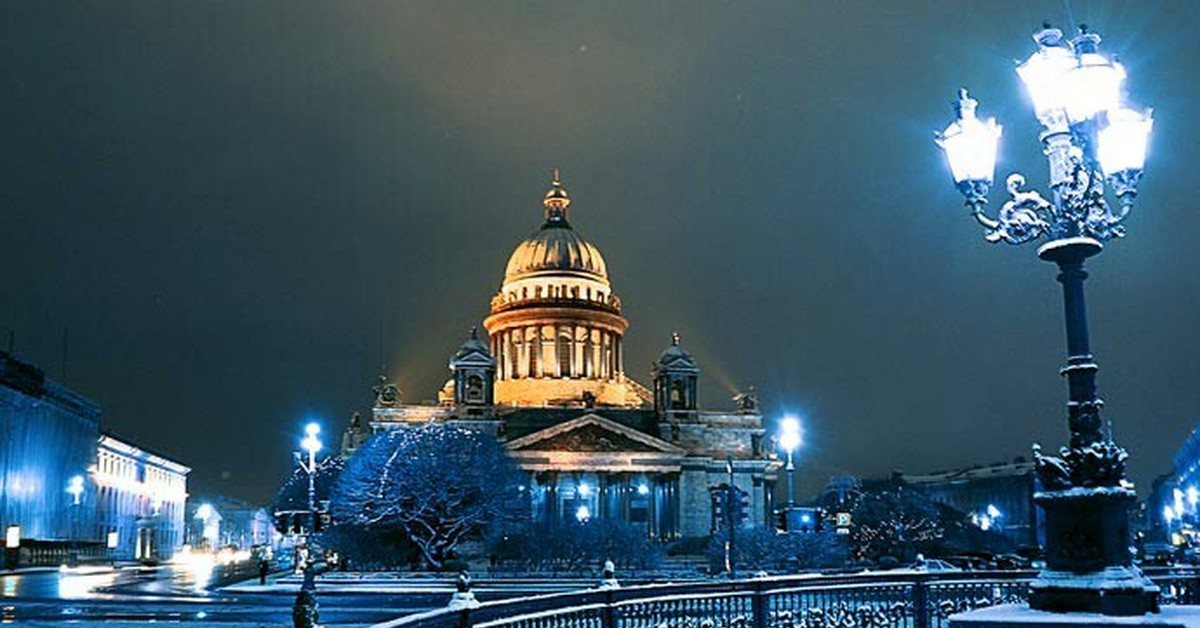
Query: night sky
(231, 214)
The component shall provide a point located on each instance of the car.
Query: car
(933, 565)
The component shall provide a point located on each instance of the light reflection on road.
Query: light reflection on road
(78, 586)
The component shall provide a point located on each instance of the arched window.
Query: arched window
(475, 389)
(678, 397)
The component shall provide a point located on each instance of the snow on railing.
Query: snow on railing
(906, 599)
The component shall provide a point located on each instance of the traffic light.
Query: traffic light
(740, 506)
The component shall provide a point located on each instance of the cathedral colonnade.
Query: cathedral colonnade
(558, 350)
(650, 499)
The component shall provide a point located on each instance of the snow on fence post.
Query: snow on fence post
(608, 615)
(758, 606)
(920, 602)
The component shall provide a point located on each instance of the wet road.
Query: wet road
(138, 595)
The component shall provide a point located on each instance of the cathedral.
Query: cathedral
(549, 382)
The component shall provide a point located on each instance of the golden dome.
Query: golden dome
(555, 248)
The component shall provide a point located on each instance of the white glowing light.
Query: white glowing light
(1092, 87)
(970, 144)
(75, 488)
(992, 511)
(1193, 496)
(12, 537)
(582, 514)
(1122, 144)
(1044, 73)
(1168, 514)
(643, 489)
(790, 438)
(585, 490)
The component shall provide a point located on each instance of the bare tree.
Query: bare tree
(437, 483)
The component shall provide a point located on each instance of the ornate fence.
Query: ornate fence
(883, 600)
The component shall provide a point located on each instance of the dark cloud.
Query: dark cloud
(238, 211)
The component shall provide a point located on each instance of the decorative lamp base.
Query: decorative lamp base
(1069, 249)
(1089, 568)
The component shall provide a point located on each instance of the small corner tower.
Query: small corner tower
(675, 374)
(474, 373)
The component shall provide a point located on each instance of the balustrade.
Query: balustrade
(882, 600)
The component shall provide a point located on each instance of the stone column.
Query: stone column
(693, 503)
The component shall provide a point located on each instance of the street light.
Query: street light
(789, 439)
(312, 445)
(75, 489)
(1089, 137)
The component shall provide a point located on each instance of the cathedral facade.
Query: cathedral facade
(549, 382)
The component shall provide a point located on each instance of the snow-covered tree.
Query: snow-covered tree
(437, 483)
(897, 522)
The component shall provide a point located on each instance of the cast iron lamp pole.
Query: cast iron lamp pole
(312, 445)
(789, 439)
(1089, 137)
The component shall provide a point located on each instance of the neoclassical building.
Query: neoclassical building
(549, 381)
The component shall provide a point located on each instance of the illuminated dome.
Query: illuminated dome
(556, 247)
(555, 326)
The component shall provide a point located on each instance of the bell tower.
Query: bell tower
(474, 373)
(675, 375)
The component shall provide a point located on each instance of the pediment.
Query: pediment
(593, 433)
(474, 358)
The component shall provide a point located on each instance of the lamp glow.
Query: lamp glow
(75, 488)
(1122, 144)
(1044, 71)
(1094, 85)
(12, 537)
(1168, 514)
(790, 438)
(311, 443)
(642, 489)
(970, 143)
(582, 514)
(992, 511)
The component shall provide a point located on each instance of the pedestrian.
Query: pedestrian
(263, 568)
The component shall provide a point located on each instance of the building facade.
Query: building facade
(49, 445)
(997, 497)
(549, 382)
(71, 492)
(140, 501)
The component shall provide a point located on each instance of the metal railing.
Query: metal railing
(903, 600)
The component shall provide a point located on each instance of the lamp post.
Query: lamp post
(1090, 138)
(75, 488)
(789, 439)
(312, 445)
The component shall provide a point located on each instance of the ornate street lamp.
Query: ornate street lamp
(1089, 138)
(789, 439)
(312, 445)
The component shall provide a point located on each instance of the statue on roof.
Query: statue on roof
(387, 394)
(747, 401)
